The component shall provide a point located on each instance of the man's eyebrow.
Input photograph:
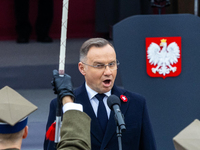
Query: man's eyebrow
(96, 62)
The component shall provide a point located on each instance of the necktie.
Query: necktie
(101, 112)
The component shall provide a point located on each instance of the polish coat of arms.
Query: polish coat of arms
(163, 56)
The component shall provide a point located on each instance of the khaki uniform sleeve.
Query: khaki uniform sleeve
(75, 131)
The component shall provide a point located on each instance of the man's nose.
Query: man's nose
(107, 70)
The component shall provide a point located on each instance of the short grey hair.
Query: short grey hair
(96, 42)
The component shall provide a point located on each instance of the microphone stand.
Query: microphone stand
(157, 3)
(119, 131)
(119, 135)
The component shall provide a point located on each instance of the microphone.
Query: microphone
(114, 103)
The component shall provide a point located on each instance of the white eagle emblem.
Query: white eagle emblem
(164, 57)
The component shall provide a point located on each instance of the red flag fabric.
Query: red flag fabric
(50, 134)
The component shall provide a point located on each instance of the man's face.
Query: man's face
(100, 80)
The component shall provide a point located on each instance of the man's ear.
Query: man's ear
(25, 132)
(81, 68)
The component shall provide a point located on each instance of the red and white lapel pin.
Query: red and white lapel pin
(123, 98)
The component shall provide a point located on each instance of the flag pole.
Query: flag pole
(61, 71)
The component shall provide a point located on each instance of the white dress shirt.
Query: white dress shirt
(95, 102)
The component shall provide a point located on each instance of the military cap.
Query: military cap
(14, 111)
(189, 137)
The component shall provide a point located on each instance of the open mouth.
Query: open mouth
(107, 82)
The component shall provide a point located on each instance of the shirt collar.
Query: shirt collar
(92, 93)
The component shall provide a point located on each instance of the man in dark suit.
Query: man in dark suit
(98, 64)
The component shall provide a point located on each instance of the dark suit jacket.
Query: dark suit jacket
(138, 134)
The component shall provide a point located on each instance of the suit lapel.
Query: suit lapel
(82, 98)
(111, 127)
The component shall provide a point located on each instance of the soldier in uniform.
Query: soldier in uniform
(14, 110)
(13, 118)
